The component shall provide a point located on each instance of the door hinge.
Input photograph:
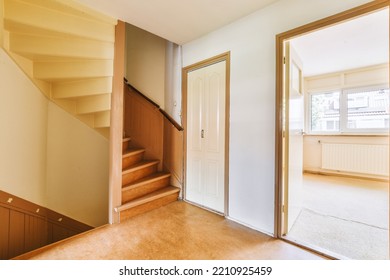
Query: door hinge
(202, 133)
(284, 60)
(282, 208)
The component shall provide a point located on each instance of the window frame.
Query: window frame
(343, 111)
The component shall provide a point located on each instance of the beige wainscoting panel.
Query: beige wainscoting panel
(26, 226)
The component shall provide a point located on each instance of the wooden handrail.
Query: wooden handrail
(171, 120)
(141, 94)
(165, 114)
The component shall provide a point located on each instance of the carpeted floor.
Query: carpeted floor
(345, 216)
(351, 239)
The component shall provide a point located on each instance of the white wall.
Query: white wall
(173, 66)
(251, 41)
(46, 155)
(312, 150)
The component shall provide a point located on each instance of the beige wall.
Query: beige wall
(145, 67)
(77, 168)
(359, 77)
(47, 156)
(23, 122)
(1, 21)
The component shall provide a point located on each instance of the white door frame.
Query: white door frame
(280, 39)
(222, 57)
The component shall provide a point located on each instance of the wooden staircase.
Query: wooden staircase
(144, 187)
(67, 50)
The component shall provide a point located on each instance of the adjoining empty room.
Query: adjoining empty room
(336, 142)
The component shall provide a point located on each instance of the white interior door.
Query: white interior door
(294, 126)
(206, 94)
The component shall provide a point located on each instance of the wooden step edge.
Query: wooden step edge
(147, 198)
(140, 165)
(146, 180)
(132, 151)
(126, 139)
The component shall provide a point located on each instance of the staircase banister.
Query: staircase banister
(141, 94)
(171, 120)
(165, 114)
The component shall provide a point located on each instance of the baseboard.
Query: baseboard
(345, 175)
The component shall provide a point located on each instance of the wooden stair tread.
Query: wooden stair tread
(140, 165)
(149, 197)
(132, 151)
(146, 180)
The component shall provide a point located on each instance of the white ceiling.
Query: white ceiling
(179, 21)
(356, 43)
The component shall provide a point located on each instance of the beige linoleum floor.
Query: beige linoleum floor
(178, 231)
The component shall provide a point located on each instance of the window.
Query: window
(359, 110)
(325, 112)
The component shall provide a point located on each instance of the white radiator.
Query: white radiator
(356, 158)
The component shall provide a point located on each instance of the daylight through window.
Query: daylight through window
(359, 110)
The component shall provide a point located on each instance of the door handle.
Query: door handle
(202, 133)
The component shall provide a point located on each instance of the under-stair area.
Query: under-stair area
(67, 50)
(144, 186)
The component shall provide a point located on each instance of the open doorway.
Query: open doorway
(333, 140)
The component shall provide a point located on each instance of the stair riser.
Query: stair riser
(133, 159)
(138, 174)
(102, 119)
(98, 103)
(55, 71)
(88, 87)
(148, 206)
(144, 189)
(46, 48)
(125, 145)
